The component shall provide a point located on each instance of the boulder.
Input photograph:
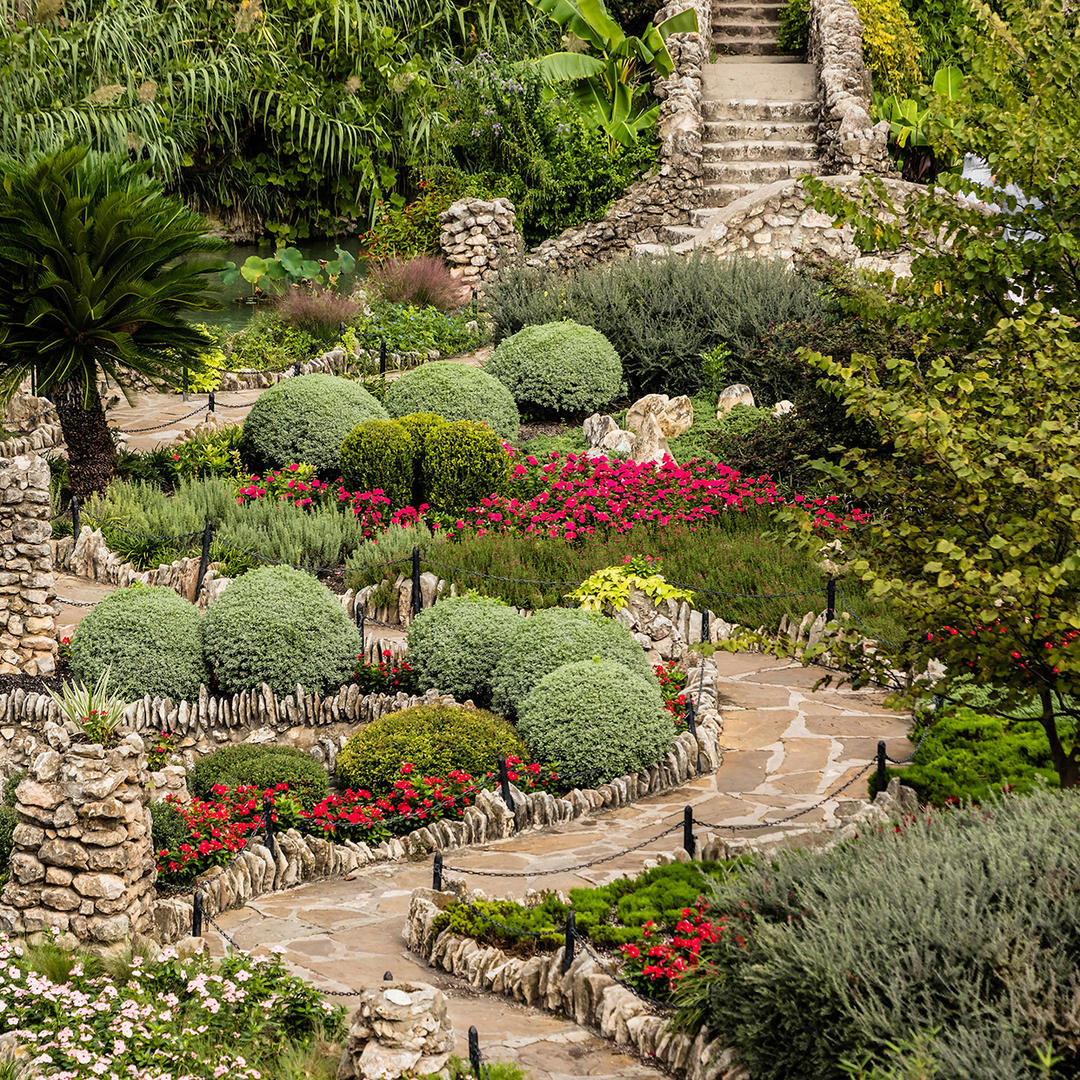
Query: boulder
(597, 428)
(782, 408)
(730, 396)
(675, 415)
(650, 444)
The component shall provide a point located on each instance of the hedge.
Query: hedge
(262, 767)
(380, 455)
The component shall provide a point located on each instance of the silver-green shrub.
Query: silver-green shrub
(596, 720)
(150, 638)
(557, 636)
(281, 627)
(559, 367)
(305, 419)
(455, 645)
(457, 392)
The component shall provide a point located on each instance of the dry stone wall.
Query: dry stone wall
(35, 422)
(477, 238)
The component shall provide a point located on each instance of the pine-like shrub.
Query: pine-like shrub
(558, 636)
(433, 739)
(279, 626)
(150, 638)
(464, 462)
(262, 767)
(455, 645)
(305, 419)
(561, 367)
(596, 720)
(380, 455)
(457, 392)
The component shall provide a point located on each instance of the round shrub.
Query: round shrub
(279, 626)
(380, 454)
(262, 767)
(455, 645)
(557, 636)
(150, 638)
(596, 720)
(456, 392)
(464, 462)
(432, 738)
(168, 830)
(305, 419)
(421, 427)
(562, 368)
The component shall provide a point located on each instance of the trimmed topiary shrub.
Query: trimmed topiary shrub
(563, 368)
(456, 392)
(464, 462)
(557, 636)
(596, 720)
(262, 767)
(432, 738)
(455, 645)
(168, 830)
(421, 427)
(305, 419)
(380, 454)
(279, 626)
(149, 637)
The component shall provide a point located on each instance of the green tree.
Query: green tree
(97, 269)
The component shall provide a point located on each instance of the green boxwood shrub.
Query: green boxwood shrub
(149, 637)
(596, 720)
(380, 454)
(457, 392)
(279, 626)
(433, 738)
(562, 368)
(305, 419)
(250, 765)
(455, 645)
(557, 636)
(464, 462)
(421, 427)
(168, 830)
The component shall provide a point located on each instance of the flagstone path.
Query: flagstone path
(786, 747)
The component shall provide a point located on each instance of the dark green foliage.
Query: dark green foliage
(149, 638)
(269, 343)
(455, 645)
(781, 446)
(794, 32)
(961, 929)
(597, 719)
(464, 462)
(432, 738)
(941, 25)
(659, 314)
(380, 454)
(560, 368)
(8, 820)
(305, 419)
(558, 636)
(168, 830)
(262, 767)
(10, 784)
(455, 392)
(281, 627)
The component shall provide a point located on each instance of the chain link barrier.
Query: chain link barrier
(167, 424)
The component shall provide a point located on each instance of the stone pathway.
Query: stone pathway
(787, 747)
(82, 591)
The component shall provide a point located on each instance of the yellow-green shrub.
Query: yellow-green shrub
(891, 46)
(464, 462)
(380, 454)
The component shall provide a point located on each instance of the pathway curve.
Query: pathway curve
(787, 747)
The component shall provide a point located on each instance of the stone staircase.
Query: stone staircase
(745, 29)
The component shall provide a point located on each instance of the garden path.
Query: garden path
(786, 747)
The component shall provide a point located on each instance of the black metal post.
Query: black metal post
(436, 872)
(204, 561)
(705, 625)
(691, 726)
(196, 914)
(474, 1053)
(504, 783)
(881, 777)
(388, 976)
(296, 367)
(416, 597)
(360, 624)
(268, 819)
(688, 830)
(382, 356)
(210, 403)
(568, 949)
(474, 303)
(185, 383)
(830, 600)
(75, 517)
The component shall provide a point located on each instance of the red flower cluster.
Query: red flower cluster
(387, 676)
(662, 964)
(672, 687)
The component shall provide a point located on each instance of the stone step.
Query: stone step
(757, 150)
(757, 172)
(756, 109)
(720, 194)
(700, 218)
(761, 130)
(677, 234)
(768, 12)
(758, 31)
(728, 45)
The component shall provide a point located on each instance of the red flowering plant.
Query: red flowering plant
(387, 676)
(163, 744)
(656, 963)
(673, 689)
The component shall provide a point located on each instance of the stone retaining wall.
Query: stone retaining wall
(668, 196)
(477, 238)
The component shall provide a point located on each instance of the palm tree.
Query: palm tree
(97, 268)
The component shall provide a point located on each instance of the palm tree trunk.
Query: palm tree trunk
(91, 451)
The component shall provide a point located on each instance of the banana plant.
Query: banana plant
(911, 124)
(607, 80)
(290, 266)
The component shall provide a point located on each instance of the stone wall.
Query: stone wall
(849, 140)
(35, 422)
(82, 858)
(27, 593)
(675, 188)
(477, 238)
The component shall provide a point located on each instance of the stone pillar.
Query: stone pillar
(478, 237)
(27, 593)
(82, 859)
